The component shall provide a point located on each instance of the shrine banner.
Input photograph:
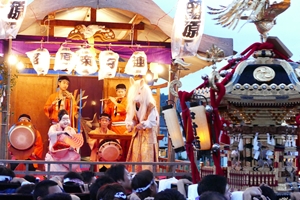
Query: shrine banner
(187, 28)
(11, 18)
(108, 64)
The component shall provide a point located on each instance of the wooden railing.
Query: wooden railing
(180, 168)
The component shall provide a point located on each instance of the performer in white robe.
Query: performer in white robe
(64, 144)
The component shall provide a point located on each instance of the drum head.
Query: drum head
(21, 136)
(110, 151)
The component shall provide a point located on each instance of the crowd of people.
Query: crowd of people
(118, 183)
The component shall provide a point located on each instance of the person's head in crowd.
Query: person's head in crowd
(268, 192)
(45, 187)
(25, 189)
(30, 178)
(120, 90)
(6, 174)
(24, 118)
(58, 196)
(144, 185)
(214, 183)
(98, 184)
(120, 175)
(73, 178)
(209, 195)
(111, 191)
(169, 194)
(89, 177)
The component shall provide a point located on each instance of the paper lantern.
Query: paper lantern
(137, 64)
(11, 17)
(172, 122)
(40, 60)
(64, 60)
(187, 28)
(108, 61)
(200, 124)
(86, 63)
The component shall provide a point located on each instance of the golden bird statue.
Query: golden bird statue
(260, 12)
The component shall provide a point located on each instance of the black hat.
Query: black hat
(24, 115)
(121, 86)
(63, 78)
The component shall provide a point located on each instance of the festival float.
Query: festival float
(251, 106)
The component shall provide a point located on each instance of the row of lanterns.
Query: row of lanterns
(84, 62)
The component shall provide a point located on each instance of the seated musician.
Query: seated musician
(116, 108)
(104, 122)
(37, 152)
(64, 143)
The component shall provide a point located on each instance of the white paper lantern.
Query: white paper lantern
(199, 121)
(172, 122)
(86, 63)
(188, 28)
(11, 17)
(40, 60)
(137, 64)
(108, 61)
(65, 59)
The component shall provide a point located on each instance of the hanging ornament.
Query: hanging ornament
(86, 63)
(172, 123)
(64, 60)
(40, 60)
(108, 61)
(12, 15)
(187, 28)
(241, 143)
(137, 64)
(201, 126)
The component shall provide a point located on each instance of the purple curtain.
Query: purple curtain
(155, 51)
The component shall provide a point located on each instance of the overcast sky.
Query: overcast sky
(287, 29)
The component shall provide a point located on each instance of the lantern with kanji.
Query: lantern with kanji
(108, 64)
(137, 64)
(86, 62)
(40, 60)
(65, 59)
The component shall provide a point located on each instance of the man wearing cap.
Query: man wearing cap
(37, 153)
(62, 99)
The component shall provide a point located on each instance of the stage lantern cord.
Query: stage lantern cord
(40, 60)
(171, 118)
(64, 60)
(137, 64)
(11, 17)
(86, 62)
(108, 61)
(187, 28)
